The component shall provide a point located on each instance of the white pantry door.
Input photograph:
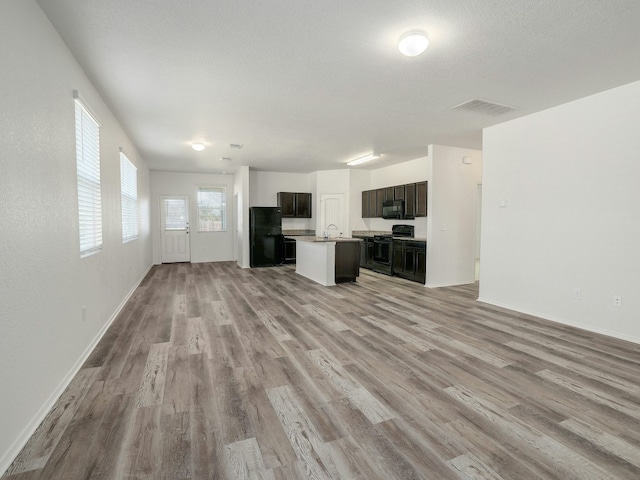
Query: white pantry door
(175, 229)
(332, 214)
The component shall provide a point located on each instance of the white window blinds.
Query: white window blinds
(128, 198)
(212, 209)
(88, 173)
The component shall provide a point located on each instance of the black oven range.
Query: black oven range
(383, 247)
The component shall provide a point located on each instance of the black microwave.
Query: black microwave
(393, 209)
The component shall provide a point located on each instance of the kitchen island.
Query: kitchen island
(328, 261)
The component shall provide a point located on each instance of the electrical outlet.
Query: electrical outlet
(617, 300)
(577, 294)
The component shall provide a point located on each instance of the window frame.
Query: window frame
(128, 199)
(88, 179)
(221, 189)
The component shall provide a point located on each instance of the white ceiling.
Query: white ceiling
(307, 85)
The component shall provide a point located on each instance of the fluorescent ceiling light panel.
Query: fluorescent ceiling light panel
(360, 160)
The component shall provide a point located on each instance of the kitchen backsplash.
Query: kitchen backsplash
(298, 232)
(370, 233)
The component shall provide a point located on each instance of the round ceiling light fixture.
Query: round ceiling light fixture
(197, 146)
(413, 43)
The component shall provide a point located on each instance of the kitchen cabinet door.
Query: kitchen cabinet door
(363, 253)
(380, 198)
(421, 265)
(365, 204)
(289, 250)
(347, 261)
(373, 202)
(409, 260)
(398, 263)
(388, 193)
(398, 193)
(286, 201)
(370, 252)
(410, 200)
(303, 205)
(421, 199)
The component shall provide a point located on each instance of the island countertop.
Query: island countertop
(309, 238)
(328, 260)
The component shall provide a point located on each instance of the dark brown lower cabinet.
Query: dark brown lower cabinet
(410, 260)
(366, 252)
(397, 258)
(289, 250)
(347, 261)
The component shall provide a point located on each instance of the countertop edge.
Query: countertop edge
(312, 239)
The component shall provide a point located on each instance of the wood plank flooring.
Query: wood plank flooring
(214, 372)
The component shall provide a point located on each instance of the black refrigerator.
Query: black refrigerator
(266, 244)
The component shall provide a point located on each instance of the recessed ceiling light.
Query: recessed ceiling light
(360, 160)
(413, 43)
(197, 146)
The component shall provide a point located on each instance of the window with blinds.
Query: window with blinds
(88, 173)
(212, 205)
(128, 198)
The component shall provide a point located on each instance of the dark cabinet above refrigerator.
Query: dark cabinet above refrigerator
(295, 204)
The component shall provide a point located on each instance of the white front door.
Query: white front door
(175, 229)
(332, 215)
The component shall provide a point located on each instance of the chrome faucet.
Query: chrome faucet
(326, 232)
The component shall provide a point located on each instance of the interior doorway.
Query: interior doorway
(478, 230)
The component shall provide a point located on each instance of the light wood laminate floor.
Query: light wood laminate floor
(211, 371)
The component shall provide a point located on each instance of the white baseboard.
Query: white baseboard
(563, 321)
(9, 456)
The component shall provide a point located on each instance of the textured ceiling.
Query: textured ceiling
(308, 85)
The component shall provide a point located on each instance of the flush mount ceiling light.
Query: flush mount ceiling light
(360, 160)
(413, 43)
(197, 146)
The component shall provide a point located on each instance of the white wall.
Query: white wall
(451, 215)
(242, 195)
(264, 187)
(359, 181)
(570, 178)
(205, 246)
(45, 283)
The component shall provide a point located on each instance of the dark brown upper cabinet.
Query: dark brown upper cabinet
(303, 205)
(413, 194)
(381, 196)
(421, 199)
(295, 205)
(410, 200)
(365, 204)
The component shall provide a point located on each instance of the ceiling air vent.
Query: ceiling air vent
(235, 145)
(485, 107)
